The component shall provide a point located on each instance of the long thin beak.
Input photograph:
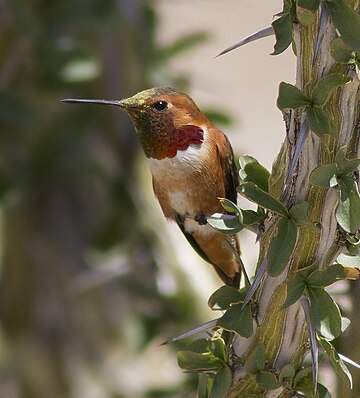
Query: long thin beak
(95, 101)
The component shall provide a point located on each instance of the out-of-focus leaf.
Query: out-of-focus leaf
(338, 364)
(80, 70)
(348, 210)
(181, 45)
(217, 117)
(203, 383)
(319, 121)
(324, 313)
(237, 319)
(281, 246)
(290, 97)
(325, 87)
(224, 297)
(347, 22)
(262, 198)
(222, 383)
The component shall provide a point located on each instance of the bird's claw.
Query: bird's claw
(201, 219)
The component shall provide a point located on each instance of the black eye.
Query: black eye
(160, 106)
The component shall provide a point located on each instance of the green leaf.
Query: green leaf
(340, 51)
(256, 360)
(250, 217)
(198, 356)
(323, 175)
(222, 383)
(202, 390)
(326, 86)
(345, 166)
(304, 272)
(348, 210)
(347, 22)
(337, 362)
(267, 380)
(228, 226)
(281, 246)
(218, 348)
(283, 33)
(262, 198)
(319, 121)
(295, 289)
(352, 261)
(326, 277)
(305, 16)
(252, 171)
(181, 45)
(303, 377)
(312, 5)
(287, 372)
(290, 97)
(299, 212)
(217, 117)
(237, 319)
(224, 297)
(322, 391)
(324, 313)
(229, 206)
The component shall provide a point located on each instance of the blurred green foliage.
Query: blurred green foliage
(81, 297)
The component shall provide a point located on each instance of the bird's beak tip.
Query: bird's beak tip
(117, 103)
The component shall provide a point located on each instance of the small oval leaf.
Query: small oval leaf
(222, 383)
(281, 246)
(347, 22)
(324, 313)
(290, 97)
(319, 121)
(325, 87)
(262, 198)
(323, 175)
(237, 319)
(224, 297)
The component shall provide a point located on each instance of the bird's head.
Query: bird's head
(165, 119)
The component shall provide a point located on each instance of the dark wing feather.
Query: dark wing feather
(231, 179)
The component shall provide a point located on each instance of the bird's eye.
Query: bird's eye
(160, 106)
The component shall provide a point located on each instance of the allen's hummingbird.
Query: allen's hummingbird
(192, 166)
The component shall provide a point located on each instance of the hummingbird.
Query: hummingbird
(192, 166)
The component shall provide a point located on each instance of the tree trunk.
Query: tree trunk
(284, 332)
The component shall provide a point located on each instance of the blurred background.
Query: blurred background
(92, 278)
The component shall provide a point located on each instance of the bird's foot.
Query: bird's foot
(201, 219)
